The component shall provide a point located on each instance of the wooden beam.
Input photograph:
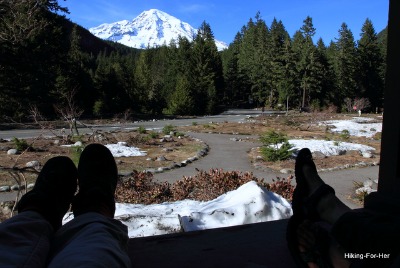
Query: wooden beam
(389, 171)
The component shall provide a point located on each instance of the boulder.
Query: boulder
(367, 155)
(161, 158)
(287, 171)
(78, 144)
(12, 151)
(318, 155)
(5, 188)
(33, 164)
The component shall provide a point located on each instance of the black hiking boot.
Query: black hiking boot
(97, 179)
(53, 191)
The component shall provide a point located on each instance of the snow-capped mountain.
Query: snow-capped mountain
(151, 28)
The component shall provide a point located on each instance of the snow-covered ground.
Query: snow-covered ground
(330, 148)
(121, 149)
(248, 204)
(358, 126)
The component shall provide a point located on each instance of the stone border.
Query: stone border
(201, 153)
(347, 166)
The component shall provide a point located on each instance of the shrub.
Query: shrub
(336, 143)
(204, 186)
(20, 145)
(153, 135)
(345, 135)
(76, 152)
(167, 129)
(276, 146)
(194, 123)
(141, 130)
(98, 107)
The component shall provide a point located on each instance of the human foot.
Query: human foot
(53, 191)
(98, 176)
(312, 197)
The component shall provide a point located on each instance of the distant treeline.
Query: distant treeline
(47, 62)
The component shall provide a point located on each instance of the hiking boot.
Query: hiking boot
(53, 191)
(97, 180)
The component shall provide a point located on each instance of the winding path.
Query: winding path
(224, 153)
(231, 155)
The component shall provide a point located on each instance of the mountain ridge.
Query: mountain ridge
(150, 29)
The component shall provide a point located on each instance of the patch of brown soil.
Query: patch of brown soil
(175, 149)
(295, 126)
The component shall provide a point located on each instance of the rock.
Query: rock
(149, 159)
(177, 165)
(342, 152)
(5, 148)
(33, 164)
(30, 185)
(15, 187)
(367, 155)
(5, 188)
(161, 158)
(78, 144)
(287, 171)
(12, 151)
(56, 142)
(192, 159)
(318, 155)
(259, 157)
(167, 150)
(160, 169)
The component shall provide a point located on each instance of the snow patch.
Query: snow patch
(329, 148)
(121, 149)
(358, 126)
(249, 203)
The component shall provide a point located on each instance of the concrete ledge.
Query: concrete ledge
(252, 245)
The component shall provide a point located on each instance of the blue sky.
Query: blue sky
(226, 17)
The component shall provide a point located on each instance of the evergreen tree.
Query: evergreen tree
(181, 101)
(307, 62)
(345, 64)
(208, 70)
(370, 82)
(326, 95)
(26, 65)
(286, 82)
(279, 53)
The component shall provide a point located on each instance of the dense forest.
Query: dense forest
(51, 65)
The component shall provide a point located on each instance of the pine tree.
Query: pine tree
(370, 82)
(278, 54)
(326, 95)
(286, 83)
(307, 62)
(181, 101)
(208, 70)
(345, 64)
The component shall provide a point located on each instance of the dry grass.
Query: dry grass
(179, 149)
